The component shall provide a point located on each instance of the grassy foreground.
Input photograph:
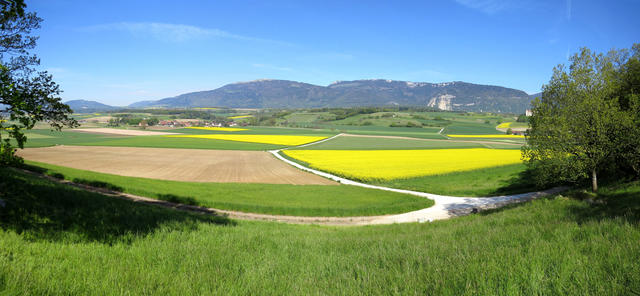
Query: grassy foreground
(278, 199)
(55, 239)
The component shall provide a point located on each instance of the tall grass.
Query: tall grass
(278, 199)
(58, 240)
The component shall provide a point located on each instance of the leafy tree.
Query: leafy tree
(627, 92)
(522, 118)
(26, 96)
(577, 124)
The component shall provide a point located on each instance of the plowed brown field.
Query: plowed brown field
(192, 165)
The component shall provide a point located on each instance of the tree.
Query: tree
(577, 125)
(627, 92)
(26, 96)
(509, 131)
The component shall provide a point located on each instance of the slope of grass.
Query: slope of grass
(59, 240)
(501, 180)
(278, 199)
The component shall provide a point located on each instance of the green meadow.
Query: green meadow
(55, 239)
(277, 199)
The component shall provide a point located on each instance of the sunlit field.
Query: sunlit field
(394, 164)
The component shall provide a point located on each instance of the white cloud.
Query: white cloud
(568, 10)
(173, 32)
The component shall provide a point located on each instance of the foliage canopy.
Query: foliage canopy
(586, 117)
(26, 95)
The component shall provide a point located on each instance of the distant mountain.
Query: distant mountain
(84, 106)
(267, 93)
(536, 95)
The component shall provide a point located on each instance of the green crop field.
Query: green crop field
(471, 129)
(278, 199)
(261, 131)
(502, 180)
(55, 239)
(189, 143)
(364, 143)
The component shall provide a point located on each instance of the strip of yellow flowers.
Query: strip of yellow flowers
(395, 164)
(504, 125)
(223, 129)
(264, 139)
(488, 136)
(240, 116)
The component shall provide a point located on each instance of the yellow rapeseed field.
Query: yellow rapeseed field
(264, 139)
(240, 116)
(488, 136)
(504, 125)
(223, 129)
(394, 164)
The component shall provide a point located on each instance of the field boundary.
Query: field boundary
(436, 212)
(445, 206)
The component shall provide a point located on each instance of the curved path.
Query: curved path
(445, 206)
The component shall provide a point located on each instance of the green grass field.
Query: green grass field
(363, 143)
(502, 180)
(187, 143)
(55, 239)
(45, 138)
(471, 129)
(278, 199)
(256, 130)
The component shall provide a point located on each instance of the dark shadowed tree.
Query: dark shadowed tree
(627, 92)
(26, 95)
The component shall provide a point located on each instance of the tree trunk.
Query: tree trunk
(594, 181)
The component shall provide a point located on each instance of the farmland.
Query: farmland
(288, 140)
(208, 167)
(56, 239)
(393, 164)
(278, 199)
(223, 166)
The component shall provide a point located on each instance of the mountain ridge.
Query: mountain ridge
(274, 93)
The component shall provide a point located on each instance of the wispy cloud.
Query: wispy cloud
(492, 7)
(272, 67)
(568, 10)
(486, 6)
(174, 32)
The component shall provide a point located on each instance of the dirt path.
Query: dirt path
(445, 206)
(190, 165)
(437, 212)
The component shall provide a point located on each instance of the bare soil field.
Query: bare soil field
(100, 119)
(120, 132)
(177, 164)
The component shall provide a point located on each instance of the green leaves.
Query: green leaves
(26, 96)
(579, 124)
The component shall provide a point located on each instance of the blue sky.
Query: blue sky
(120, 52)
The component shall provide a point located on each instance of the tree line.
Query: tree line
(587, 122)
